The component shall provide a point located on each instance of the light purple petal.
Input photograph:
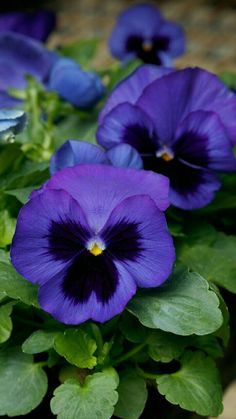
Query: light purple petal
(154, 263)
(53, 300)
(131, 88)
(74, 152)
(100, 188)
(30, 250)
(123, 155)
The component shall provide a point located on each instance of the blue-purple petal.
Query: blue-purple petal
(123, 155)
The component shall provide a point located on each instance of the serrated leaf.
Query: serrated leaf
(5, 321)
(77, 347)
(95, 399)
(216, 263)
(132, 396)
(195, 387)
(39, 341)
(184, 305)
(23, 384)
(16, 287)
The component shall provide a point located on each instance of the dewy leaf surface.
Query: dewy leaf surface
(77, 347)
(195, 387)
(95, 399)
(184, 305)
(23, 384)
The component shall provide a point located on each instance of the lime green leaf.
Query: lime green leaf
(184, 305)
(195, 387)
(132, 396)
(23, 384)
(95, 399)
(216, 263)
(5, 321)
(22, 194)
(77, 347)
(39, 341)
(7, 228)
(16, 287)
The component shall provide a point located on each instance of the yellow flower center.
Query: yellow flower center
(147, 46)
(96, 250)
(166, 156)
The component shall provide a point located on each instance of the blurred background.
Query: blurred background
(210, 26)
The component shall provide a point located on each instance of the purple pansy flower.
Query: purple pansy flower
(181, 123)
(91, 237)
(19, 56)
(36, 25)
(82, 89)
(74, 152)
(142, 32)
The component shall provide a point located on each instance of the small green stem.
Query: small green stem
(98, 337)
(129, 354)
(41, 364)
(147, 375)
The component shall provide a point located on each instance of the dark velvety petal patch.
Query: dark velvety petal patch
(149, 52)
(66, 239)
(193, 148)
(89, 274)
(138, 137)
(123, 240)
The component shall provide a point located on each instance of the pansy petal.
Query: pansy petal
(131, 88)
(33, 59)
(127, 124)
(7, 101)
(194, 89)
(123, 155)
(37, 24)
(66, 309)
(99, 188)
(74, 152)
(136, 234)
(176, 37)
(202, 141)
(42, 246)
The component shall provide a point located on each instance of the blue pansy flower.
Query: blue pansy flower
(12, 122)
(83, 89)
(183, 125)
(142, 32)
(74, 152)
(36, 25)
(91, 237)
(19, 56)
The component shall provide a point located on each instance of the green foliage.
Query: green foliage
(5, 321)
(39, 341)
(23, 384)
(94, 399)
(195, 387)
(183, 305)
(77, 347)
(132, 395)
(7, 228)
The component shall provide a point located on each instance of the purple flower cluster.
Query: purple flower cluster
(142, 32)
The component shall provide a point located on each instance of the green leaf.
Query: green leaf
(165, 347)
(16, 287)
(132, 329)
(132, 395)
(183, 305)
(95, 399)
(39, 341)
(5, 321)
(216, 263)
(119, 72)
(23, 384)
(195, 387)
(77, 347)
(7, 228)
(22, 194)
(81, 51)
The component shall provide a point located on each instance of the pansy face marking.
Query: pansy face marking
(90, 237)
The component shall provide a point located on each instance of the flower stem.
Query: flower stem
(98, 336)
(129, 354)
(146, 375)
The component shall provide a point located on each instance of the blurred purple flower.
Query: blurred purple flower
(91, 237)
(36, 25)
(181, 123)
(83, 89)
(142, 32)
